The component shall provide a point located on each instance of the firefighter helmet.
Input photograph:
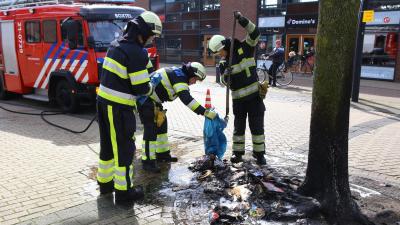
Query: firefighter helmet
(216, 43)
(153, 21)
(198, 70)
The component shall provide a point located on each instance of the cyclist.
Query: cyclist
(278, 57)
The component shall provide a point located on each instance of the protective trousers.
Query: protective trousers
(155, 139)
(117, 126)
(254, 109)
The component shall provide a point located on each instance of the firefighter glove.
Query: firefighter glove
(210, 114)
(263, 89)
(159, 116)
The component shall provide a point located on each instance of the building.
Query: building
(189, 24)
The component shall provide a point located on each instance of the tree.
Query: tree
(327, 177)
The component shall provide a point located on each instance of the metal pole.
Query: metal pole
(357, 61)
(228, 83)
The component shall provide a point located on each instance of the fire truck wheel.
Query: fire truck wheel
(65, 97)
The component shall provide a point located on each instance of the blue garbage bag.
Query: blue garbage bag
(214, 137)
(155, 79)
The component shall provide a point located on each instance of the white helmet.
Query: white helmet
(153, 21)
(216, 43)
(198, 70)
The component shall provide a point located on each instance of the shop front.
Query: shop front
(380, 53)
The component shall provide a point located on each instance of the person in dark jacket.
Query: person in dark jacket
(124, 77)
(278, 57)
(174, 83)
(245, 88)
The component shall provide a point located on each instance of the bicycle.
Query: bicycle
(284, 75)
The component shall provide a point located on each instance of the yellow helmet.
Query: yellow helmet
(198, 70)
(153, 21)
(216, 43)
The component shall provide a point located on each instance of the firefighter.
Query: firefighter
(174, 82)
(245, 88)
(124, 77)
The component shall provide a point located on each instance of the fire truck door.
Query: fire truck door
(32, 56)
(9, 51)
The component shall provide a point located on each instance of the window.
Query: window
(190, 25)
(80, 34)
(210, 4)
(32, 31)
(49, 31)
(174, 43)
(172, 18)
(191, 5)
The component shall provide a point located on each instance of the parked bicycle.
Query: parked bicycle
(284, 75)
(301, 64)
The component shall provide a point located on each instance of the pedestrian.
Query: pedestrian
(174, 83)
(124, 77)
(278, 56)
(245, 88)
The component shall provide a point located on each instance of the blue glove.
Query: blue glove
(155, 79)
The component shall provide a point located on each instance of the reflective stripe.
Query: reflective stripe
(243, 92)
(149, 64)
(246, 63)
(178, 87)
(163, 148)
(250, 27)
(139, 77)
(238, 138)
(115, 67)
(113, 135)
(116, 96)
(259, 147)
(131, 174)
(240, 51)
(238, 147)
(193, 105)
(152, 150)
(162, 137)
(167, 84)
(105, 172)
(155, 97)
(258, 138)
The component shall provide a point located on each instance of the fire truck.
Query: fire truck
(54, 52)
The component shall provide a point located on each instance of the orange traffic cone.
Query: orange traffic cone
(208, 100)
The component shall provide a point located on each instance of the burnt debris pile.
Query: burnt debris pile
(246, 192)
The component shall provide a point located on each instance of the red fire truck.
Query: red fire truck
(55, 52)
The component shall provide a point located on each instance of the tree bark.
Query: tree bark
(327, 177)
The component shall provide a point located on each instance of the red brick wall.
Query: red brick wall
(142, 3)
(248, 8)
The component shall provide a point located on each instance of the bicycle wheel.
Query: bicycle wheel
(261, 75)
(284, 76)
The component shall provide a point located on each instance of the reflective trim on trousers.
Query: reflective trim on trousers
(258, 138)
(259, 147)
(236, 147)
(120, 182)
(151, 151)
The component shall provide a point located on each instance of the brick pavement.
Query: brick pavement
(48, 173)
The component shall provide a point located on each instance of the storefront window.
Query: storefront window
(191, 5)
(174, 43)
(379, 54)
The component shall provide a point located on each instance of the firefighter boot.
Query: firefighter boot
(106, 188)
(236, 158)
(259, 156)
(127, 197)
(151, 166)
(166, 157)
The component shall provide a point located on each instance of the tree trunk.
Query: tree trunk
(327, 177)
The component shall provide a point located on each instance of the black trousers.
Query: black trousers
(117, 125)
(254, 109)
(155, 139)
(272, 70)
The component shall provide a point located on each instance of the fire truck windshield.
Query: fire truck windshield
(105, 31)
